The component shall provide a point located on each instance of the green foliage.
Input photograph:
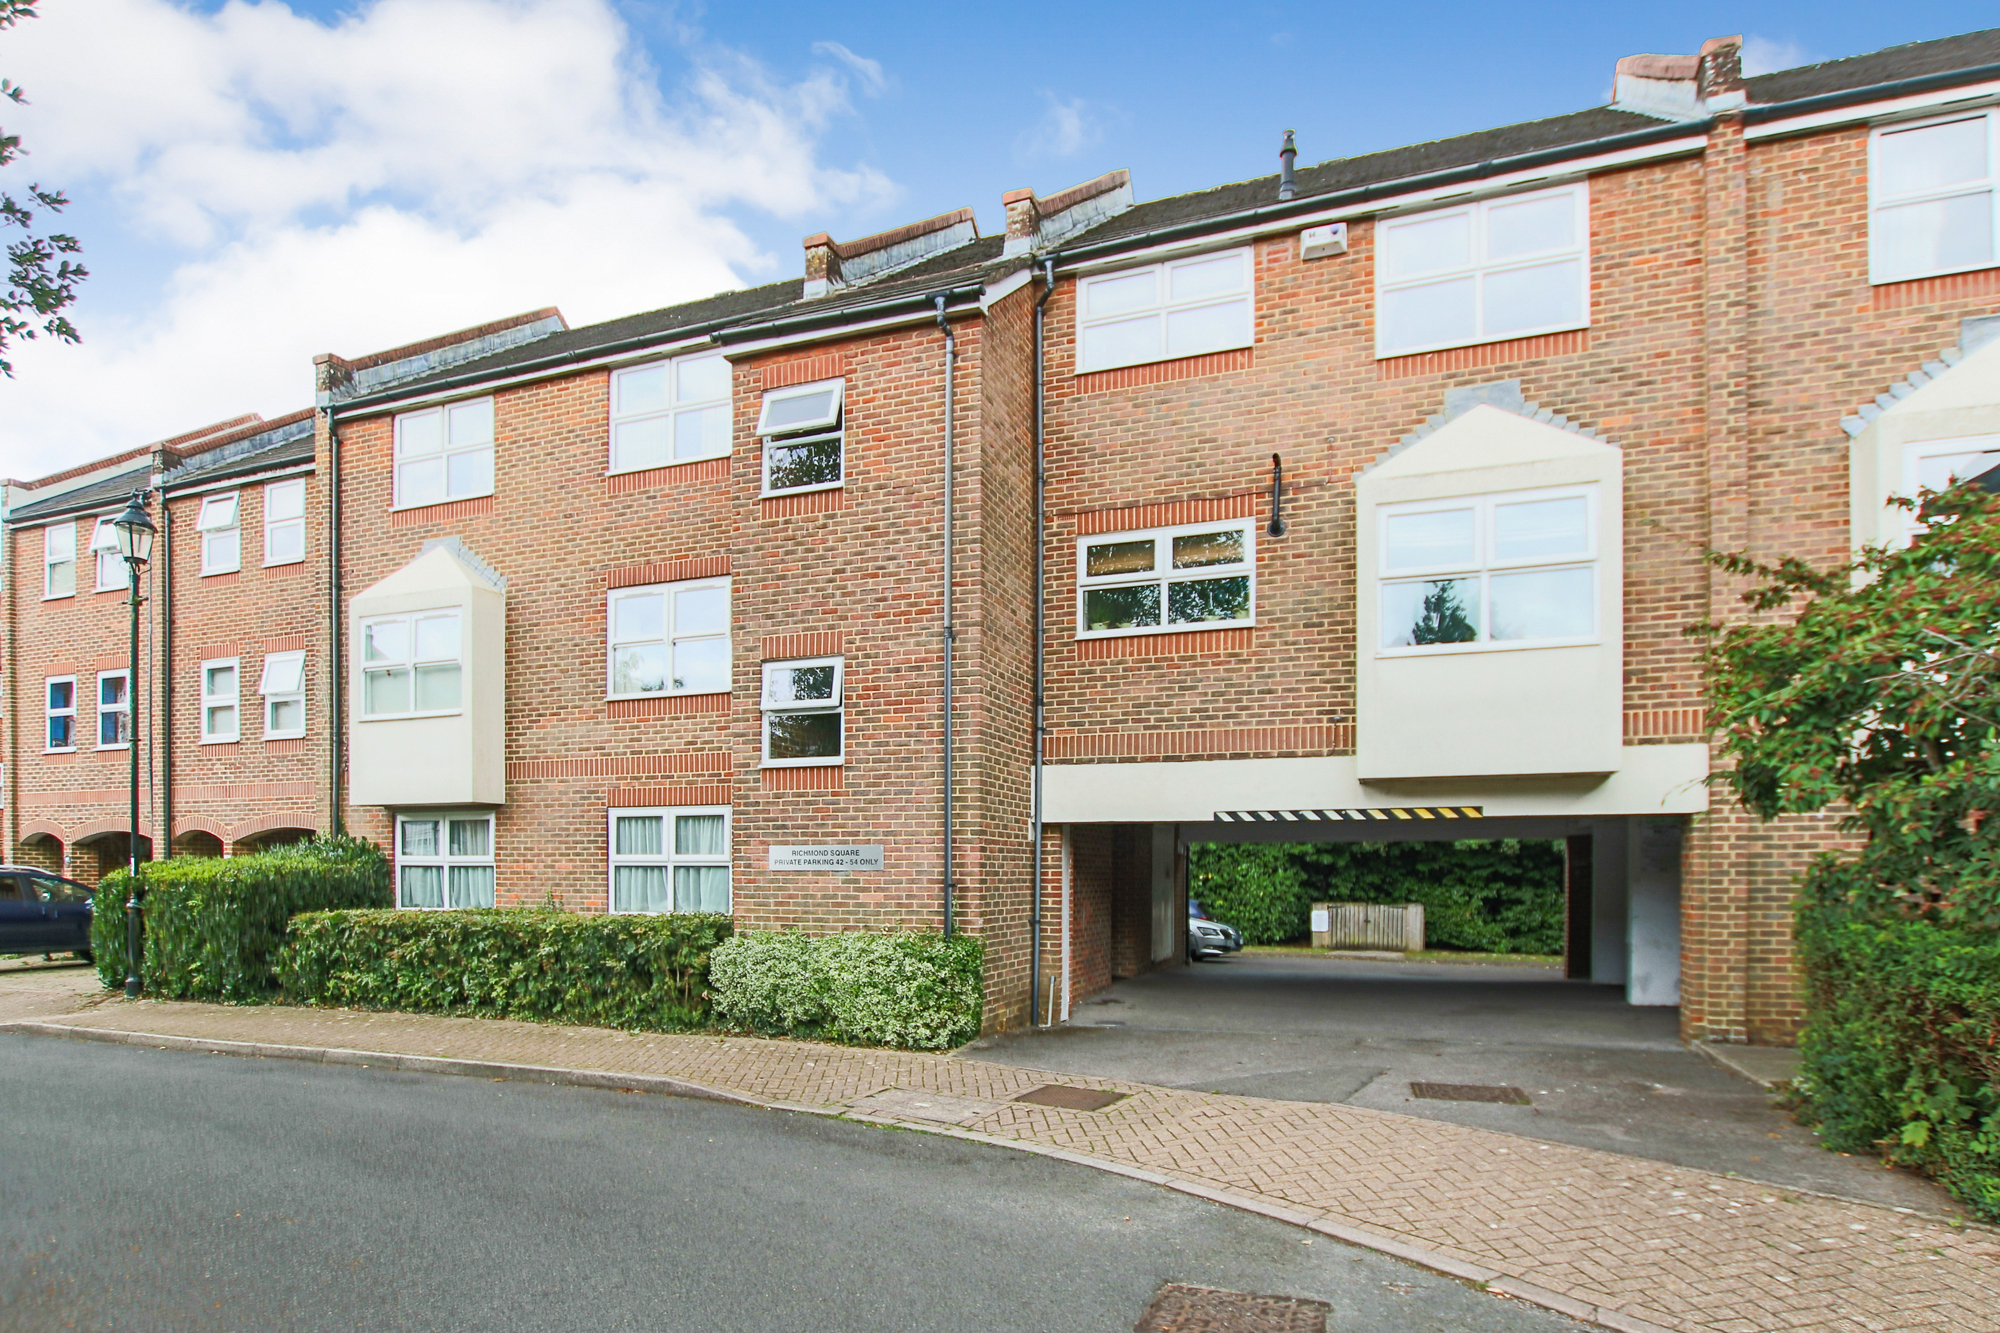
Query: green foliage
(1443, 618)
(646, 973)
(1491, 897)
(1878, 697)
(213, 925)
(40, 283)
(914, 991)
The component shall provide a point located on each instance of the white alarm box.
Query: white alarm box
(1329, 238)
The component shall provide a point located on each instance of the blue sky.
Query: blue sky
(258, 182)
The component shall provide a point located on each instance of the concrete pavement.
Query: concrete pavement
(1627, 1243)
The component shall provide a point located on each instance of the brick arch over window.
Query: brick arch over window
(267, 824)
(187, 824)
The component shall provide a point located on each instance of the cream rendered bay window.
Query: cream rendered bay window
(444, 453)
(670, 638)
(670, 859)
(1183, 307)
(1481, 272)
(411, 665)
(1201, 576)
(670, 412)
(1933, 206)
(1493, 571)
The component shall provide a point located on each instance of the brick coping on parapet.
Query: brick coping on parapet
(1584, 1228)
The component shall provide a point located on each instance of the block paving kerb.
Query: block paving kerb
(1619, 1241)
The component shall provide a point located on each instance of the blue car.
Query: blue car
(43, 913)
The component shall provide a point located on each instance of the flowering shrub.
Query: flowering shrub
(915, 991)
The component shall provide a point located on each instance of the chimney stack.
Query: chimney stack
(822, 265)
(1720, 76)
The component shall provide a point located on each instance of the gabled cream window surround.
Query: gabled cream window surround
(1939, 425)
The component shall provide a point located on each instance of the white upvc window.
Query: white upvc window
(1184, 307)
(1514, 570)
(1511, 267)
(221, 533)
(221, 701)
(59, 701)
(804, 437)
(1933, 205)
(803, 708)
(112, 571)
(670, 412)
(670, 859)
(283, 685)
(59, 560)
(285, 522)
(412, 665)
(444, 860)
(114, 710)
(444, 453)
(1201, 576)
(669, 638)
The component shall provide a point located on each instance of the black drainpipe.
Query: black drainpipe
(1041, 726)
(163, 721)
(336, 712)
(950, 633)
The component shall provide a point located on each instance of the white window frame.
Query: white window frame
(837, 705)
(667, 857)
(106, 557)
(665, 591)
(50, 713)
(1162, 308)
(124, 674)
(1878, 272)
(1485, 566)
(232, 701)
(671, 412)
(272, 526)
(445, 453)
(444, 858)
(1164, 575)
(272, 698)
(222, 543)
(832, 425)
(1479, 268)
(53, 559)
(410, 662)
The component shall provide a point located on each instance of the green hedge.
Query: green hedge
(637, 972)
(1900, 1054)
(214, 924)
(915, 991)
(1486, 896)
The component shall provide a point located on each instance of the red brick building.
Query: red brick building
(710, 607)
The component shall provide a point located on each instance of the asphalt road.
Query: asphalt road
(1598, 1072)
(157, 1190)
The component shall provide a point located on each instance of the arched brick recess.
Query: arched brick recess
(187, 824)
(265, 824)
(42, 828)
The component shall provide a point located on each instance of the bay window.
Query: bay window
(1162, 312)
(803, 706)
(804, 437)
(1933, 206)
(444, 453)
(670, 859)
(670, 638)
(444, 860)
(1498, 571)
(1201, 576)
(1500, 268)
(412, 665)
(670, 412)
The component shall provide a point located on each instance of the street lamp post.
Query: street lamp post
(135, 545)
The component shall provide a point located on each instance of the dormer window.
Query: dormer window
(804, 437)
(444, 453)
(670, 412)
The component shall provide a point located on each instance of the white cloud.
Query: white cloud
(1765, 55)
(416, 166)
(1065, 129)
(873, 81)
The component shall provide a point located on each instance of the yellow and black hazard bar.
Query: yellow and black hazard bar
(1373, 812)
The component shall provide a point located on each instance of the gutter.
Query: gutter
(824, 319)
(1758, 112)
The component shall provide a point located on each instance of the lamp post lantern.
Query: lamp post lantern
(135, 545)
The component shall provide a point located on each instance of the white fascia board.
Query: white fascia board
(1965, 98)
(999, 291)
(836, 332)
(238, 483)
(612, 359)
(1553, 174)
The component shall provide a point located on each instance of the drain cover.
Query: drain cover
(1183, 1309)
(1470, 1092)
(1070, 1099)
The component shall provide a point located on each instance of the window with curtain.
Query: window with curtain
(670, 859)
(444, 861)
(1517, 569)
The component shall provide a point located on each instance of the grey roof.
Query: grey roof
(1914, 60)
(280, 447)
(97, 497)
